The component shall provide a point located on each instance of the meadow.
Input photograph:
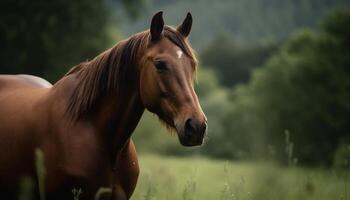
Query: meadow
(192, 178)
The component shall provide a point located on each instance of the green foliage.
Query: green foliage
(342, 157)
(232, 63)
(134, 7)
(303, 89)
(206, 82)
(249, 22)
(334, 25)
(48, 37)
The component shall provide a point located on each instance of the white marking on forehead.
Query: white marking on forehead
(179, 53)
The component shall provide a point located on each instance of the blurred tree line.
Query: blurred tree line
(233, 63)
(46, 38)
(249, 22)
(303, 89)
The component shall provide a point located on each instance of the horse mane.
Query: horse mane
(108, 71)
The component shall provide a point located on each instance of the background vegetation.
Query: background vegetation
(171, 178)
(273, 80)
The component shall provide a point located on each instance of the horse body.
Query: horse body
(76, 154)
(83, 123)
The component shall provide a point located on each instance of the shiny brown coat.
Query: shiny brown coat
(83, 123)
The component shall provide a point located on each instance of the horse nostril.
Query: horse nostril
(190, 128)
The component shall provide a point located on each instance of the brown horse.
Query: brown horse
(83, 123)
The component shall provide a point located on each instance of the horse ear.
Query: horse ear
(185, 27)
(157, 26)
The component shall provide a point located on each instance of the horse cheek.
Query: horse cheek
(149, 92)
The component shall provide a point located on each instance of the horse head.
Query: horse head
(167, 74)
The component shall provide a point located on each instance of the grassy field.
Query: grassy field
(198, 178)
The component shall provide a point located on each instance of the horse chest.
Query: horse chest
(75, 154)
(85, 164)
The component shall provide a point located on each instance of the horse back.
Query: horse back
(23, 80)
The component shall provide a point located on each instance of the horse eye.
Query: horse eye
(160, 66)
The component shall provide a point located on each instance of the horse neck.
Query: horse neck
(118, 116)
(106, 92)
(121, 110)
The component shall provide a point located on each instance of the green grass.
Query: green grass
(173, 178)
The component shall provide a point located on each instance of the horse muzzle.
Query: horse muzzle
(192, 132)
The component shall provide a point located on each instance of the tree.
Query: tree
(233, 63)
(46, 38)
